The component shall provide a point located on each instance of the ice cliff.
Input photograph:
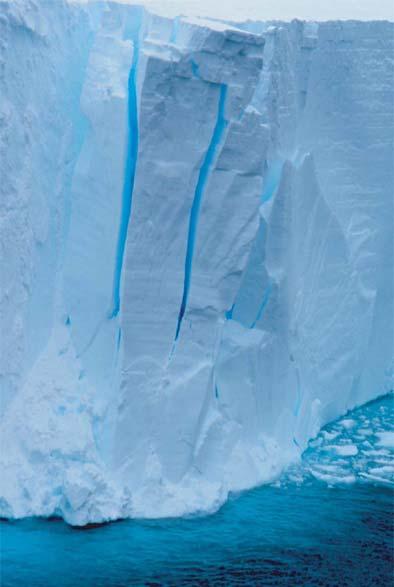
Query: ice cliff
(196, 251)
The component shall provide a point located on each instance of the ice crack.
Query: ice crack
(217, 135)
(131, 165)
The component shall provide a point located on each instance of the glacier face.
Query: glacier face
(197, 251)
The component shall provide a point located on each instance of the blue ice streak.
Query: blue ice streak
(196, 70)
(272, 181)
(174, 32)
(263, 304)
(217, 135)
(127, 196)
(229, 313)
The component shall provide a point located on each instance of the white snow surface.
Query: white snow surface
(196, 251)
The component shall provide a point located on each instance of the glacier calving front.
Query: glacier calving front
(197, 251)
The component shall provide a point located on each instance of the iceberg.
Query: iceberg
(196, 251)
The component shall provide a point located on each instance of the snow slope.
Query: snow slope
(197, 251)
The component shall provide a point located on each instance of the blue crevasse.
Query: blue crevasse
(220, 126)
(127, 196)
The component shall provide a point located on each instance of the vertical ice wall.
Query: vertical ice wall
(40, 92)
(197, 244)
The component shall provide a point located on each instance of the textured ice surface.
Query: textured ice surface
(197, 252)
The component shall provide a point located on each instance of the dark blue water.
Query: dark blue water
(296, 533)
